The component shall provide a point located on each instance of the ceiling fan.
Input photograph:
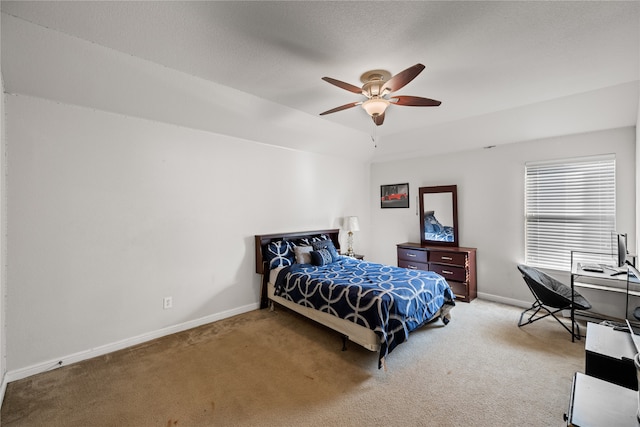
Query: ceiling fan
(377, 87)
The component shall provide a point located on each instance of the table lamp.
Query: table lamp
(352, 225)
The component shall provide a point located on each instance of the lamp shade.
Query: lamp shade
(352, 223)
(375, 106)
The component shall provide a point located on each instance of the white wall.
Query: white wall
(3, 255)
(128, 182)
(638, 165)
(109, 213)
(491, 201)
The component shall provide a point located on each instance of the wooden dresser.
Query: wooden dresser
(457, 265)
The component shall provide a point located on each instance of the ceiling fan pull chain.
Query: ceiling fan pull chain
(374, 135)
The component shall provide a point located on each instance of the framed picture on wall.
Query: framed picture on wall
(394, 196)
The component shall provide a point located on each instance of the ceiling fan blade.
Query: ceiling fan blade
(379, 119)
(402, 78)
(414, 101)
(343, 85)
(340, 108)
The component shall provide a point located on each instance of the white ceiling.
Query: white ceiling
(504, 71)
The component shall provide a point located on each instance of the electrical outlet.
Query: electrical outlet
(167, 302)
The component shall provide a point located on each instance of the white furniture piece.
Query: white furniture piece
(598, 403)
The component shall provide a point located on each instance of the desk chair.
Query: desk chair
(551, 297)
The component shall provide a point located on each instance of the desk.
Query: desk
(598, 403)
(605, 282)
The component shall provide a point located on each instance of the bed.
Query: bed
(373, 305)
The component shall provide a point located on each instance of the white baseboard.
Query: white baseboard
(19, 374)
(503, 300)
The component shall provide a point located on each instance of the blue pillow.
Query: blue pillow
(431, 224)
(307, 241)
(301, 242)
(279, 254)
(329, 246)
(321, 257)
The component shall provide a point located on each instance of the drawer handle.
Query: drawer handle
(412, 267)
(447, 272)
(448, 258)
(411, 255)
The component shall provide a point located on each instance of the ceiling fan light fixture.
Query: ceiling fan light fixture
(378, 85)
(375, 106)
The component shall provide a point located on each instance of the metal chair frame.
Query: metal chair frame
(538, 305)
(556, 304)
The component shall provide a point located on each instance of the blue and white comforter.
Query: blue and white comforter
(389, 300)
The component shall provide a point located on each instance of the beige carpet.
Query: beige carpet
(277, 369)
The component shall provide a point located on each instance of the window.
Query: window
(570, 205)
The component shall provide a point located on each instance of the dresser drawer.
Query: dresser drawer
(451, 258)
(449, 272)
(413, 255)
(412, 265)
(459, 289)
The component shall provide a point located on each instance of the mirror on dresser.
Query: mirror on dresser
(439, 215)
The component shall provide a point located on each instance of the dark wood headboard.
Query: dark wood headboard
(263, 240)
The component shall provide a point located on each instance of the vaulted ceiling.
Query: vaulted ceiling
(504, 71)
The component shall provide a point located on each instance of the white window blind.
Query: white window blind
(570, 205)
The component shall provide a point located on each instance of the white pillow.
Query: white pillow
(303, 254)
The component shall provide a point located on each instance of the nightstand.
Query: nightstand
(356, 256)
